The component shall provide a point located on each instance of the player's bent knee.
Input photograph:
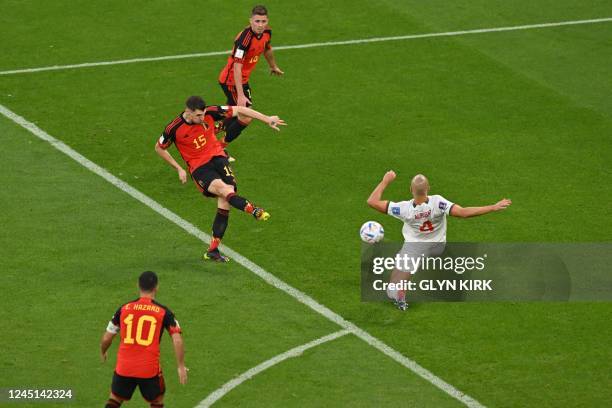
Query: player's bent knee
(223, 204)
(217, 187)
(225, 190)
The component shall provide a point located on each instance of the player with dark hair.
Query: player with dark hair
(249, 44)
(140, 324)
(194, 134)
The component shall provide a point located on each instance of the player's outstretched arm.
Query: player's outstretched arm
(179, 351)
(273, 121)
(458, 211)
(107, 340)
(375, 199)
(170, 160)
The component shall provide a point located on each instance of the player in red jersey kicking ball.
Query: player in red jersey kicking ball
(193, 133)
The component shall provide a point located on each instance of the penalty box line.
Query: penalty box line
(252, 372)
(312, 45)
(240, 259)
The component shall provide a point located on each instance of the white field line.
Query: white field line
(250, 373)
(312, 45)
(248, 264)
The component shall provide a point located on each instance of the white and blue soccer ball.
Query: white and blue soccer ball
(371, 232)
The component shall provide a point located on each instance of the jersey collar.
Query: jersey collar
(193, 124)
(414, 204)
(258, 36)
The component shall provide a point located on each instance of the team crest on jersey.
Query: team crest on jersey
(442, 205)
(395, 210)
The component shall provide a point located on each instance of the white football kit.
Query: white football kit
(425, 222)
(424, 227)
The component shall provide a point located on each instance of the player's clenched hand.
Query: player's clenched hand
(182, 175)
(275, 122)
(182, 373)
(503, 204)
(389, 176)
(275, 70)
(104, 356)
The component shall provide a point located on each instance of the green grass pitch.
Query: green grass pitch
(524, 114)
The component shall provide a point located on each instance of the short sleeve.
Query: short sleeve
(219, 112)
(269, 42)
(241, 45)
(167, 137)
(443, 205)
(115, 323)
(170, 323)
(117, 317)
(397, 210)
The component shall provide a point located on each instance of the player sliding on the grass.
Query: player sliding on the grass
(424, 223)
(193, 133)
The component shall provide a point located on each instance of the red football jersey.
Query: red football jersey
(196, 143)
(141, 325)
(247, 49)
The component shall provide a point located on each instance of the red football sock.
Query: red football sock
(240, 203)
(214, 244)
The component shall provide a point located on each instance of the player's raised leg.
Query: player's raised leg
(235, 125)
(221, 189)
(229, 123)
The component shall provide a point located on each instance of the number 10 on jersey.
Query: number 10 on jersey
(129, 326)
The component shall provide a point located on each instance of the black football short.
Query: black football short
(217, 168)
(150, 388)
(232, 96)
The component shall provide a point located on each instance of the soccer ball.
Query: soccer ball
(371, 232)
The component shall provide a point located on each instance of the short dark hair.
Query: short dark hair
(195, 102)
(259, 10)
(147, 281)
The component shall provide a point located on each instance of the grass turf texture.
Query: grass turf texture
(525, 114)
